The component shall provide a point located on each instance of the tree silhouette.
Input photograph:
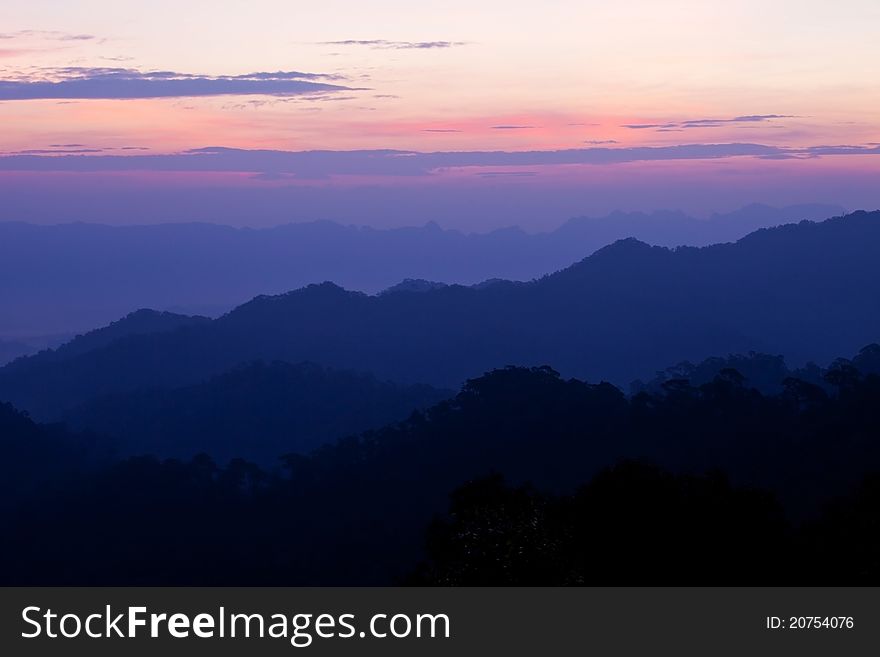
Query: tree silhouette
(600, 489)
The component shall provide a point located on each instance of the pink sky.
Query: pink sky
(92, 78)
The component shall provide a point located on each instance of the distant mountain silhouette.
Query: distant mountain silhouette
(140, 322)
(100, 272)
(803, 291)
(413, 285)
(257, 412)
(10, 350)
(13, 348)
(669, 228)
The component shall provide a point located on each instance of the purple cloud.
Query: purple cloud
(122, 83)
(752, 118)
(48, 151)
(507, 174)
(384, 44)
(49, 35)
(648, 126)
(705, 123)
(323, 164)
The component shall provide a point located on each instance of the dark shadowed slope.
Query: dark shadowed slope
(258, 412)
(137, 323)
(805, 291)
(356, 512)
(73, 277)
(10, 350)
(36, 456)
(764, 372)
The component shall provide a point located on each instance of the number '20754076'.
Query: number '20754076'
(810, 623)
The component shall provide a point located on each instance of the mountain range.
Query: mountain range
(258, 411)
(69, 278)
(625, 312)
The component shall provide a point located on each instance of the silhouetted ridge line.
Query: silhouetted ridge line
(800, 291)
(207, 269)
(139, 322)
(257, 411)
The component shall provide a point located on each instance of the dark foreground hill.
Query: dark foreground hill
(257, 411)
(39, 457)
(804, 291)
(357, 512)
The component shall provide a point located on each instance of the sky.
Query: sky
(476, 115)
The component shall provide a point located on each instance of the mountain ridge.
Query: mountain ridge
(617, 315)
(257, 411)
(199, 268)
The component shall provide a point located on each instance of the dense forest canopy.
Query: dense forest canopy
(737, 478)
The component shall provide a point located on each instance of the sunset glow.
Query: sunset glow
(96, 78)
